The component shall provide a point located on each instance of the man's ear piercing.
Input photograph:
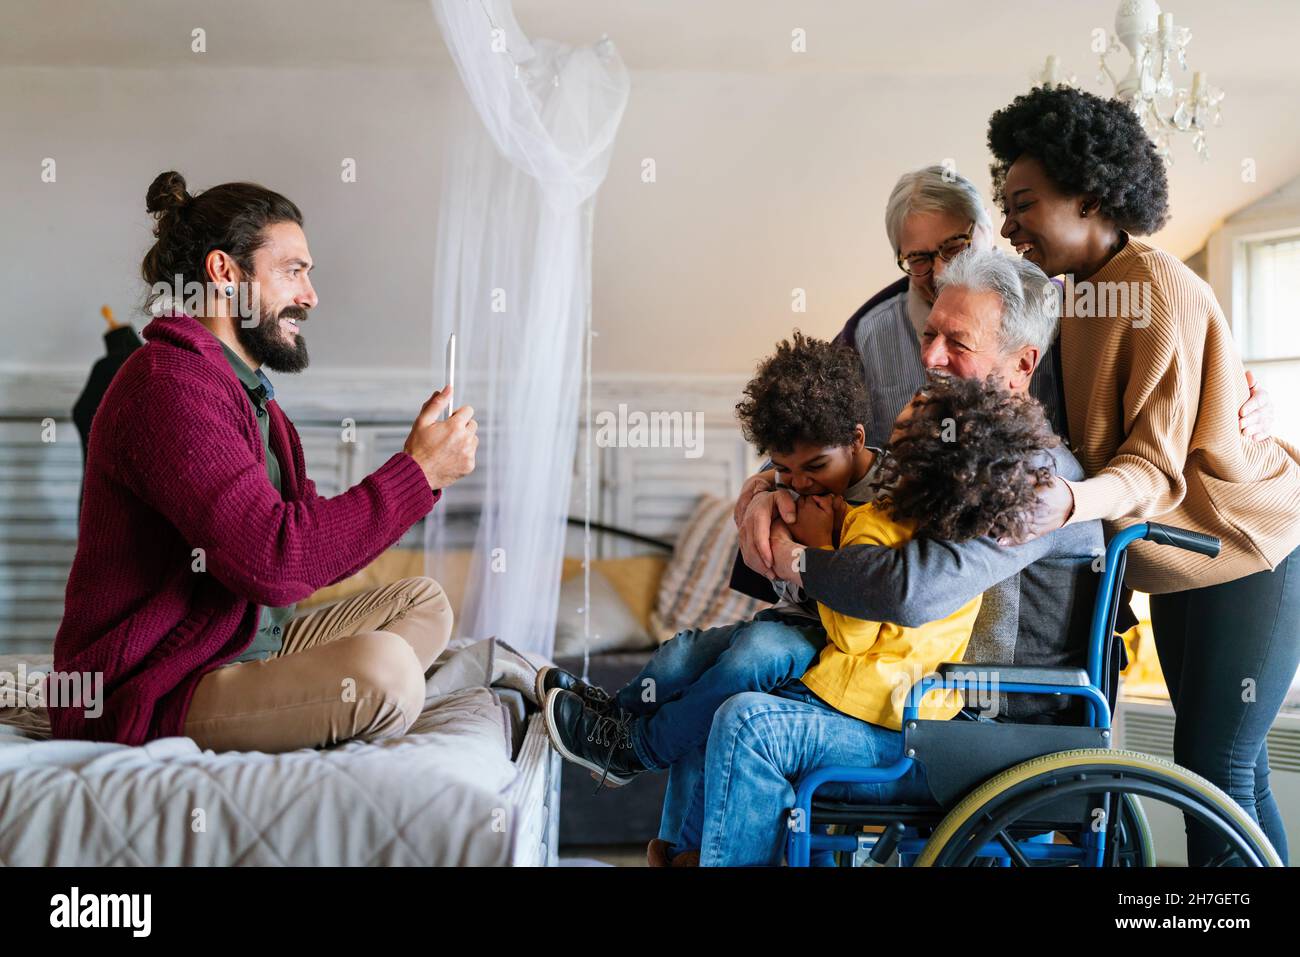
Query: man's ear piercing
(230, 292)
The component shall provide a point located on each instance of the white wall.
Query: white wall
(766, 181)
(69, 246)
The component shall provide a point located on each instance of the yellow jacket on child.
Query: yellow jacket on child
(868, 667)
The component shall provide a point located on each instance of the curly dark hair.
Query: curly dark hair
(968, 461)
(1088, 146)
(808, 391)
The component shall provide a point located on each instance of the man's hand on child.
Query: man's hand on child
(756, 529)
(763, 481)
(787, 554)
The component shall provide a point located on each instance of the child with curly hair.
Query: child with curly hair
(963, 462)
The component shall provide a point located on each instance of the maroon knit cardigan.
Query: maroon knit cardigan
(176, 464)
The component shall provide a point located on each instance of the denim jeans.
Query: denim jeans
(676, 694)
(1216, 644)
(730, 799)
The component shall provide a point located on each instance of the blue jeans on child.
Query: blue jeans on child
(692, 674)
(729, 799)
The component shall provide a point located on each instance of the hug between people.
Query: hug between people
(966, 526)
(963, 461)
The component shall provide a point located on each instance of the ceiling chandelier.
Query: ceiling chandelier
(1155, 47)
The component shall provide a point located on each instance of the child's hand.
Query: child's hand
(814, 523)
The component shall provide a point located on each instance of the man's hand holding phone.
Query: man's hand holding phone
(445, 448)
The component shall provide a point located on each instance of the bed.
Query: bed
(473, 782)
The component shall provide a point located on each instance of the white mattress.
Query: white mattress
(445, 793)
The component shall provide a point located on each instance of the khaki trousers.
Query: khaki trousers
(354, 669)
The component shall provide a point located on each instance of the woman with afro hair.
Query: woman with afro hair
(1152, 386)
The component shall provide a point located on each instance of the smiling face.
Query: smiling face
(820, 470)
(1045, 225)
(280, 269)
(962, 338)
(926, 232)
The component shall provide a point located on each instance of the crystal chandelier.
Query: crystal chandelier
(1155, 47)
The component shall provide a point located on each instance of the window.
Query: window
(1270, 331)
(1265, 291)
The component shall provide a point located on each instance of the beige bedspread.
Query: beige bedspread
(442, 794)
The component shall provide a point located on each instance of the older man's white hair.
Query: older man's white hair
(1030, 301)
(933, 189)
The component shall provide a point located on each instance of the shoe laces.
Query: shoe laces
(612, 732)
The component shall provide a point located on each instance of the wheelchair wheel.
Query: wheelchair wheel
(1001, 808)
(1135, 847)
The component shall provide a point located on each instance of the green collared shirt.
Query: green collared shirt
(270, 629)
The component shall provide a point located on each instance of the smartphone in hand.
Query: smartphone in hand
(450, 380)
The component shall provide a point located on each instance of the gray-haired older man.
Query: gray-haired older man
(932, 216)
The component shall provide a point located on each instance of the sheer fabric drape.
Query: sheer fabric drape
(512, 279)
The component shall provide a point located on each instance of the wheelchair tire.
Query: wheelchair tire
(991, 807)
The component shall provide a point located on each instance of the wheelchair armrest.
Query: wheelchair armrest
(987, 673)
(1011, 679)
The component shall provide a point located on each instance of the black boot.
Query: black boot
(601, 743)
(597, 699)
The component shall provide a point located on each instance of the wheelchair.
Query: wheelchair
(1023, 795)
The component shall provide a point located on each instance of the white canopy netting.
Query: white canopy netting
(512, 280)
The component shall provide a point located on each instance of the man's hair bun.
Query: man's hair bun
(166, 193)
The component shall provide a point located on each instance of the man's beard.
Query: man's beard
(265, 344)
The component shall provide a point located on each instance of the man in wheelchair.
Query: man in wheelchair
(991, 319)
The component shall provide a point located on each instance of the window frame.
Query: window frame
(1241, 331)
(1228, 271)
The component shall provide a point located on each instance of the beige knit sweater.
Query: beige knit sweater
(1152, 395)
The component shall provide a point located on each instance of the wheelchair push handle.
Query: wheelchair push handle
(1182, 538)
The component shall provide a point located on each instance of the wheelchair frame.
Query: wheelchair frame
(1014, 743)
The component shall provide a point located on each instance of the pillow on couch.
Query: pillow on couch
(614, 625)
(695, 590)
(634, 577)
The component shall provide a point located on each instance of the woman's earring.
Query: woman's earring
(230, 292)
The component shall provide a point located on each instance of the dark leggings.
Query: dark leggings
(1229, 653)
